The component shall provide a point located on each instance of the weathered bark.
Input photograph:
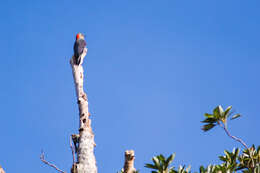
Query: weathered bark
(129, 161)
(86, 162)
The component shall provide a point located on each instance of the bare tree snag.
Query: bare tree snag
(129, 161)
(86, 161)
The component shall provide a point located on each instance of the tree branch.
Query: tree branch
(224, 126)
(50, 164)
(234, 137)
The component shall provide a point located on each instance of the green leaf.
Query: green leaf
(181, 168)
(216, 112)
(150, 166)
(235, 116)
(208, 115)
(170, 158)
(202, 169)
(162, 161)
(227, 111)
(173, 171)
(258, 149)
(221, 111)
(207, 127)
(237, 152)
(156, 162)
(222, 158)
(209, 120)
(161, 158)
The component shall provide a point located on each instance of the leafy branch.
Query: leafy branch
(220, 117)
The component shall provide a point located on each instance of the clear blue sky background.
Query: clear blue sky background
(153, 69)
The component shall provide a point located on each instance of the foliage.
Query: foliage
(231, 162)
(218, 117)
(247, 161)
(161, 165)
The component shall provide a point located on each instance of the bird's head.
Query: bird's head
(79, 36)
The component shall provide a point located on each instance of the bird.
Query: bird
(79, 49)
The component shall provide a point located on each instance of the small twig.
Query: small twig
(72, 150)
(234, 137)
(50, 164)
(224, 126)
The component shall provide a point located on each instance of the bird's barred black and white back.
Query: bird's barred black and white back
(80, 51)
(79, 60)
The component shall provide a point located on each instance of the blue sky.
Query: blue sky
(153, 69)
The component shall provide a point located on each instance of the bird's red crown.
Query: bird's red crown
(78, 36)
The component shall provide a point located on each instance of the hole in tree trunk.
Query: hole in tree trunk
(84, 120)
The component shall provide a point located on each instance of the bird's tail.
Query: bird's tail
(77, 60)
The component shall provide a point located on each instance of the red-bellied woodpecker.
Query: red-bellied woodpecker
(80, 49)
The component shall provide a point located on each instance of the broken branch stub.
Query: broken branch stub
(129, 161)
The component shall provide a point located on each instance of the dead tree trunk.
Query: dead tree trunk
(84, 141)
(129, 161)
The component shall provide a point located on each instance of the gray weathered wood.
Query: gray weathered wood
(129, 161)
(86, 161)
